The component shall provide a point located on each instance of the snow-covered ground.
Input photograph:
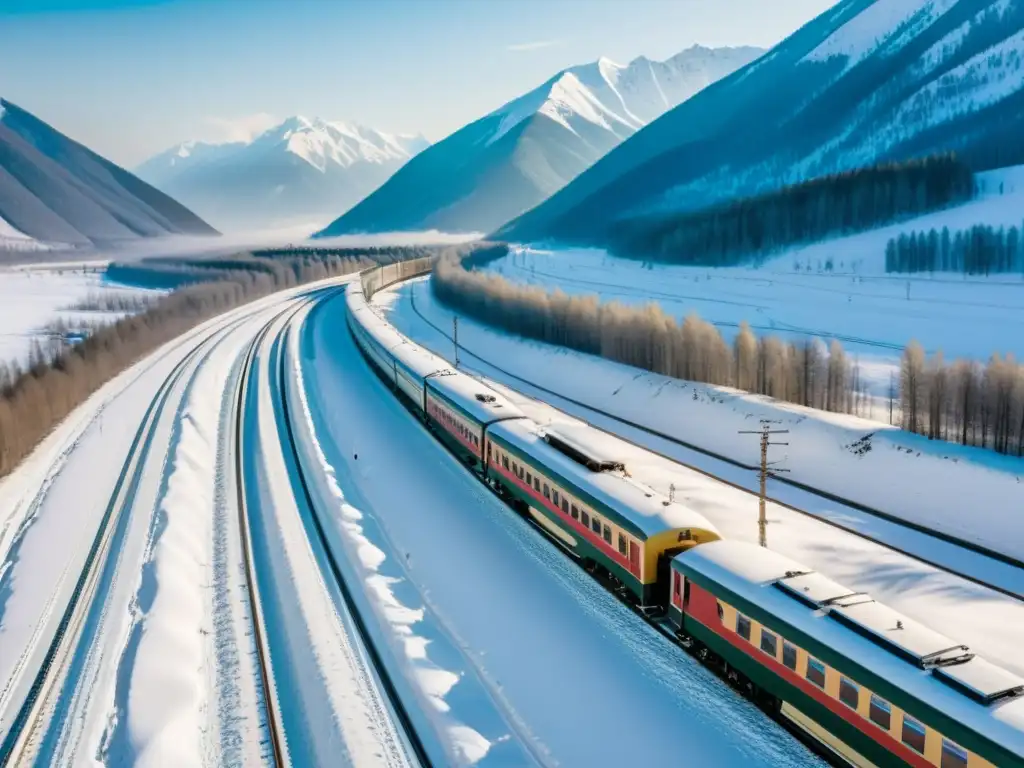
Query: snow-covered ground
(794, 296)
(926, 487)
(514, 641)
(931, 483)
(33, 297)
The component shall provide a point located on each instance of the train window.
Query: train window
(595, 524)
(504, 462)
(789, 654)
(547, 491)
(721, 612)
(743, 626)
(576, 513)
(607, 534)
(565, 505)
(816, 672)
(880, 712)
(953, 755)
(769, 642)
(529, 479)
(515, 469)
(554, 497)
(584, 517)
(536, 483)
(849, 692)
(913, 733)
(623, 549)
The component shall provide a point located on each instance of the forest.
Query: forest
(980, 250)
(748, 230)
(646, 337)
(961, 401)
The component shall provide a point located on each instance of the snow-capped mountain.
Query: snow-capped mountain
(867, 81)
(301, 170)
(55, 190)
(514, 157)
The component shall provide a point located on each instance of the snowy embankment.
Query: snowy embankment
(796, 294)
(521, 631)
(990, 623)
(969, 493)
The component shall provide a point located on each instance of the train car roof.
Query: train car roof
(418, 360)
(476, 399)
(925, 664)
(648, 512)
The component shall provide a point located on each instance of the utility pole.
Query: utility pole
(455, 337)
(672, 492)
(765, 432)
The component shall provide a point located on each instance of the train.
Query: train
(856, 680)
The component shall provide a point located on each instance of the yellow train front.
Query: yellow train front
(591, 506)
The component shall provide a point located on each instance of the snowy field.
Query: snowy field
(32, 297)
(794, 296)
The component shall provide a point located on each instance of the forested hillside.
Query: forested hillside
(748, 229)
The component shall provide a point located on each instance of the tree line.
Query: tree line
(980, 250)
(61, 376)
(646, 337)
(964, 401)
(747, 230)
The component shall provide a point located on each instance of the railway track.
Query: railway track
(979, 550)
(19, 739)
(400, 711)
(275, 731)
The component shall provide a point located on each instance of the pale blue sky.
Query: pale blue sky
(131, 77)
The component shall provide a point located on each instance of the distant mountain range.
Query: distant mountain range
(512, 159)
(55, 190)
(301, 171)
(864, 82)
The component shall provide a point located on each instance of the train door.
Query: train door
(634, 558)
(663, 589)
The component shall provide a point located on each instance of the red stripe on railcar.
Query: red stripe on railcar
(431, 403)
(626, 563)
(703, 606)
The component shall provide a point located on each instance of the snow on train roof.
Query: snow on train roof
(642, 506)
(416, 358)
(477, 399)
(881, 639)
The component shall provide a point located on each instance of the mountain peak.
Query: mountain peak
(512, 158)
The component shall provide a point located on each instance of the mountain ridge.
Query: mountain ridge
(54, 189)
(862, 83)
(476, 177)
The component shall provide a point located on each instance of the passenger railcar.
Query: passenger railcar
(875, 687)
(590, 505)
(404, 365)
(462, 409)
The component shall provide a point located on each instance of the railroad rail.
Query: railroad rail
(890, 518)
(398, 707)
(19, 736)
(275, 732)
